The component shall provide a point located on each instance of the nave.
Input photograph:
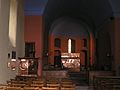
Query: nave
(105, 81)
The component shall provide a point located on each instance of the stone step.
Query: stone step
(79, 78)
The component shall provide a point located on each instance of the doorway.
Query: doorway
(84, 63)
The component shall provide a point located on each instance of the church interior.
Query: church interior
(59, 45)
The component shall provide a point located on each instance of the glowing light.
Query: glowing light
(13, 22)
(69, 45)
(13, 59)
(23, 60)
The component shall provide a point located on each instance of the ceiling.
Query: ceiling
(34, 7)
(95, 13)
(92, 12)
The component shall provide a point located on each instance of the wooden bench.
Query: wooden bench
(106, 83)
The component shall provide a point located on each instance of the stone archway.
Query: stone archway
(65, 28)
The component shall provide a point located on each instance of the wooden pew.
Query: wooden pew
(106, 83)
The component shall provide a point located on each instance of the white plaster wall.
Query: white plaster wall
(20, 29)
(5, 46)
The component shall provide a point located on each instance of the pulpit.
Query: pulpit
(27, 66)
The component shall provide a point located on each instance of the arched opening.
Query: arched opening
(94, 15)
(73, 39)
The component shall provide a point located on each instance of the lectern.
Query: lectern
(27, 66)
